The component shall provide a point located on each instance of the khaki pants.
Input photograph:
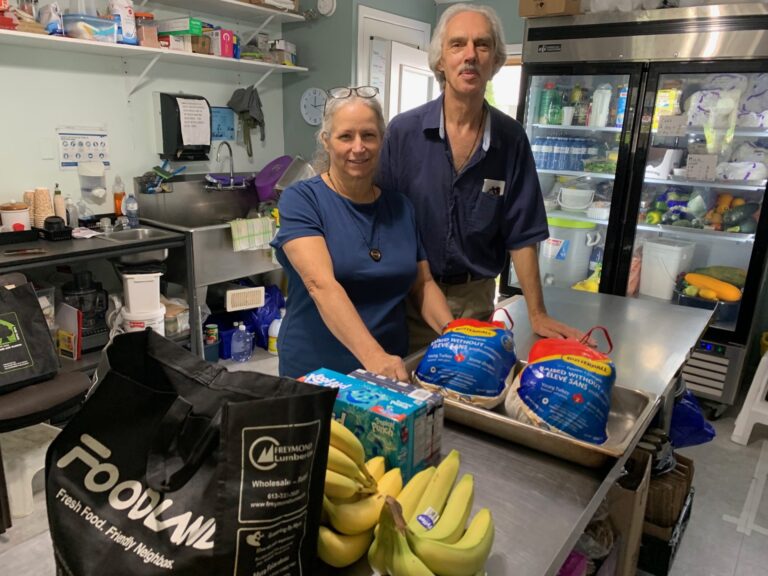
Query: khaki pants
(470, 300)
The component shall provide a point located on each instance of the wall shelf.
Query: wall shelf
(152, 55)
(232, 10)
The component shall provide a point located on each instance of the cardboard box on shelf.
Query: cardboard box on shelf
(201, 44)
(626, 506)
(222, 42)
(538, 8)
(174, 26)
(282, 57)
(181, 43)
(660, 543)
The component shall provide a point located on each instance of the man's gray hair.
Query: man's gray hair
(497, 36)
(321, 160)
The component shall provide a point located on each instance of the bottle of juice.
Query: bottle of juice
(548, 95)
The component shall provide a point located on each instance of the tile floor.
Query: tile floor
(711, 546)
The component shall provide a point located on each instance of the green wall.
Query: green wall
(327, 47)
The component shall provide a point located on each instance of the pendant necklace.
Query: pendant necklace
(458, 167)
(373, 252)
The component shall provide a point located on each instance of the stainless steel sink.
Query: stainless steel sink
(134, 234)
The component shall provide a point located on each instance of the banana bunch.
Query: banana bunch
(355, 491)
(422, 532)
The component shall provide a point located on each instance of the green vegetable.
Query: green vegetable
(691, 290)
(748, 226)
(739, 214)
(729, 274)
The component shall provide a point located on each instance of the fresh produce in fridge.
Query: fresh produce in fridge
(707, 294)
(723, 290)
(748, 226)
(739, 214)
(654, 217)
(691, 291)
(729, 274)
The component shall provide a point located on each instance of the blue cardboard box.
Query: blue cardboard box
(386, 422)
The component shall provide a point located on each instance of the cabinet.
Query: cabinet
(72, 251)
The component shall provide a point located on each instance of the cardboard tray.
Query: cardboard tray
(631, 411)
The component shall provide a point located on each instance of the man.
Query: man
(469, 171)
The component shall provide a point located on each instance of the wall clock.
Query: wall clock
(312, 105)
(326, 7)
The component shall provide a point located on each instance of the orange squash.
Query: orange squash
(726, 292)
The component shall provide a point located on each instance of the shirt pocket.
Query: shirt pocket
(485, 218)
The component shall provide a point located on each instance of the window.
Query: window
(503, 91)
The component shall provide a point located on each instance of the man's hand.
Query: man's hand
(546, 326)
(387, 365)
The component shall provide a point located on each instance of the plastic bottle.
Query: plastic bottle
(547, 96)
(621, 105)
(555, 111)
(73, 215)
(575, 95)
(118, 194)
(59, 205)
(131, 210)
(274, 330)
(242, 345)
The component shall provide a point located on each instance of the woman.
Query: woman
(352, 253)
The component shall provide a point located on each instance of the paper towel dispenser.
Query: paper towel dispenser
(184, 122)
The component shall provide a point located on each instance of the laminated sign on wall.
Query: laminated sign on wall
(176, 466)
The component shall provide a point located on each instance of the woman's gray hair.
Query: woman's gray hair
(321, 161)
(497, 33)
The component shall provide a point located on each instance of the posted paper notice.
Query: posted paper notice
(195, 118)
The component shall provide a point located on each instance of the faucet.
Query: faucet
(231, 161)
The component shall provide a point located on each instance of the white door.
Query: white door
(411, 83)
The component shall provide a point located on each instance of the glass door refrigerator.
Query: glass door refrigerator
(579, 122)
(699, 238)
(684, 170)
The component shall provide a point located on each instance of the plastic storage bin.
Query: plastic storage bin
(90, 28)
(663, 261)
(142, 292)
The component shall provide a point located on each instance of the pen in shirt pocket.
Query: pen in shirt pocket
(493, 187)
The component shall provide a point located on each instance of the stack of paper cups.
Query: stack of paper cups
(43, 206)
(29, 200)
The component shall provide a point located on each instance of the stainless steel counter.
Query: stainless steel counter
(67, 251)
(651, 339)
(542, 504)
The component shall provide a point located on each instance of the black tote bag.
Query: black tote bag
(27, 354)
(176, 466)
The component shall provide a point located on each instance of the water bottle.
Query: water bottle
(272, 333)
(547, 153)
(536, 150)
(131, 210)
(241, 346)
(561, 154)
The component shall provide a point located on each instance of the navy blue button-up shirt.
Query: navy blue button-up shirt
(467, 220)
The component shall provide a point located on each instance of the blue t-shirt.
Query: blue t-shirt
(468, 221)
(377, 289)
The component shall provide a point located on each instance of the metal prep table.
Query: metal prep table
(541, 504)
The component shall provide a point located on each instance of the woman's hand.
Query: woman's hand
(387, 365)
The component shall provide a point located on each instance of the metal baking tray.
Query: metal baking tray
(631, 411)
